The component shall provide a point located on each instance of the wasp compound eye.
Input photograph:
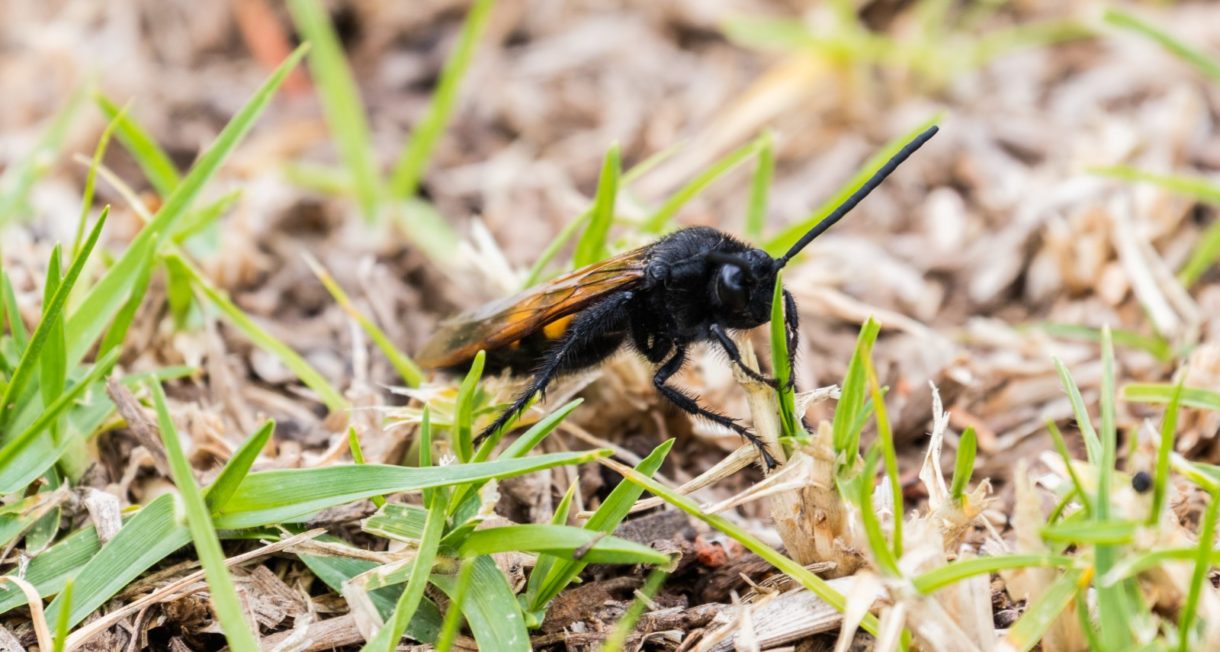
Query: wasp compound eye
(731, 288)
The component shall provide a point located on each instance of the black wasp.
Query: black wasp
(693, 285)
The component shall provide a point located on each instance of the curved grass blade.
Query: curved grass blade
(492, 611)
(957, 571)
(238, 466)
(225, 603)
(156, 164)
(591, 247)
(573, 543)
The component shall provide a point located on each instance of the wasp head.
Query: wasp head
(742, 285)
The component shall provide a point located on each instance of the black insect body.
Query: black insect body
(693, 285)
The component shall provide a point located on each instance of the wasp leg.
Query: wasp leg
(688, 404)
(792, 325)
(730, 349)
(589, 338)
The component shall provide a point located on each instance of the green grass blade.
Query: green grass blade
(885, 439)
(285, 495)
(1112, 605)
(61, 623)
(410, 372)
(463, 411)
(1061, 447)
(1195, 397)
(661, 217)
(1091, 532)
(1205, 63)
(846, 426)
(1153, 344)
(784, 564)
(353, 443)
(421, 567)
(14, 475)
(883, 556)
(238, 466)
(224, 599)
(414, 160)
(46, 326)
(147, 538)
(534, 276)
(1160, 479)
(341, 101)
(117, 333)
(1203, 565)
(86, 203)
(962, 569)
(449, 628)
(52, 364)
(12, 313)
(963, 467)
(573, 543)
(607, 517)
(50, 571)
(491, 611)
(591, 247)
(779, 244)
(1092, 445)
(261, 338)
(1202, 258)
(1198, 187)
(108, 295)
(156, 164)
(1042, 613)
(789, 419)
(626, 624)
(760, 185)
(18, 179)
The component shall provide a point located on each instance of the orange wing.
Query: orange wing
(503, 322)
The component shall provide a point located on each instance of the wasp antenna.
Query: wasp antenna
(859, 195)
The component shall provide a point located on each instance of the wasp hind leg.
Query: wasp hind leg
(689, 405)
(592, 336)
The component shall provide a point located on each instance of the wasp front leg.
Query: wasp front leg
(731, 350)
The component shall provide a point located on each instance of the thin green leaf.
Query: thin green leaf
(286, 495)
(760, 184)
(1091, 532)
(1153, 344)
(117, 333)
(147, 538)
(49, 572)
(845, 426)
(353, 443)
(534, 276)
(1195, 397)
(1206, 64)
(1042, 613)
(18, 179)
(780, 356)
(415, 157)
(882, 554)
(223, 592)
(609, 514)
(238, 466)
(91, 179)
(410, 372)
(12, 313)
(491, 611)
(111, 291)
(1203, 566)
(156, 164)
(591, 247)
(626, 624)
(50, 315)
(1160, 479)
(61, 623)
(1061, 447)
(264, 340)
(661, 217)
(15, 473)
(421, 567)
(789, 236)
(1092, 445)
(53, 366)
(463, 411)
(340, 96)
(1112, 605)
(962, 569)
(885, 440)
(963, 467)
(576, 544)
